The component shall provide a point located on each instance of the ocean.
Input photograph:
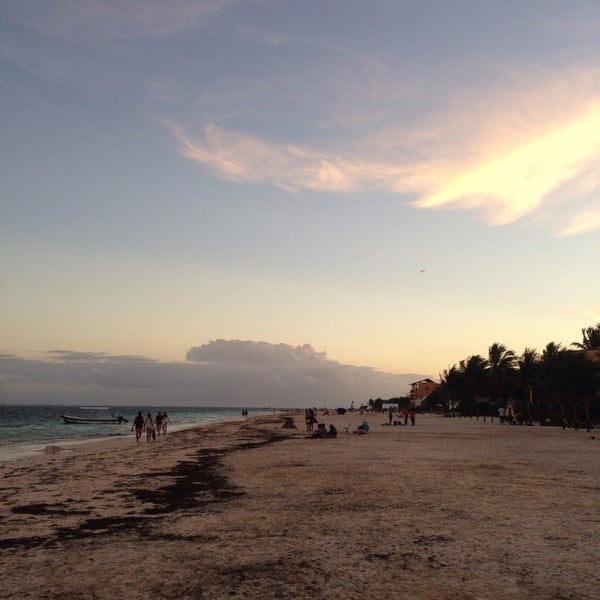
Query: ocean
(25, 430)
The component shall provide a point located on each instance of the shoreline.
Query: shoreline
(449, 508)
(24, 450)
(63, 439)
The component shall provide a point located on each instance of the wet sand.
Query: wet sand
(450, 508)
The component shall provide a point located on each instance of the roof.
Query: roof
(422, 380)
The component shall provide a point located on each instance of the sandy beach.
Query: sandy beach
(449, 508)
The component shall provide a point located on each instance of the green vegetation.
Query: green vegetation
(377, 405)
(558, 386)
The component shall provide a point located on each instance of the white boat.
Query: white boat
(102, 417)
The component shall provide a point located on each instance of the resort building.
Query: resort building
(419, 390)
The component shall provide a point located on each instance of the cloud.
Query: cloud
(220, 373)
(516, 183)
(244, 158)
(508, 153)
(256, 354)
(96, 357)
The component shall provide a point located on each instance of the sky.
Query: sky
(305, 194)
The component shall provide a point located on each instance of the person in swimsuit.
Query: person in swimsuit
(138, 423)
(165, 420)
(149, 427)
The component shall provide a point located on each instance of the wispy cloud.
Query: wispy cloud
(248, 159)
(516, 183)
(93, 357)
(497, 154)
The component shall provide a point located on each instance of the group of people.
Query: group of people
(405, 414)
(508, 416)
(322, 432)
(153, 426)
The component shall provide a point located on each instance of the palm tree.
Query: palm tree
(474, 370)
(452, 386)
(591, 341)
(552, 350)
(528, 374)
(501, 366)
(578, 386)
(549, 382)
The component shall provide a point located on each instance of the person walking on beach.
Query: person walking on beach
(390, 415)
(158, 422)
(149, 427)
(413, 415)
(138, 423)
(165, 420)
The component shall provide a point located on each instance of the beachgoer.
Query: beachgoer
(332, 431)
(311, 419)
(138, 423)
(405, 415)
(413, 414)
(390, 415)
(165, 420)
(509, 415)
(362, 428)
(501, 415)
(289, 424)
(149, 427)
(158, 422)
(320, 433)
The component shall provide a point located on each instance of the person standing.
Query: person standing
(138, 423)
(405, 415)
(308, 419)
(149, 427)
(390, 415)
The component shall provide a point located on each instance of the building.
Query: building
(419, 390)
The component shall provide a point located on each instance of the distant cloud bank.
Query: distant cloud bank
(219, 373)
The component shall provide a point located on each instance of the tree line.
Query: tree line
(560, 385)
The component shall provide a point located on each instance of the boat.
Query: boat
(102, 417)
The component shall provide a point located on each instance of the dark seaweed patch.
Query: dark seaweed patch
(46, 509)
(197, 483)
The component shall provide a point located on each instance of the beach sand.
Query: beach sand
(449, 508)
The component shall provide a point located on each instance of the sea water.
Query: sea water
(25, 430)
